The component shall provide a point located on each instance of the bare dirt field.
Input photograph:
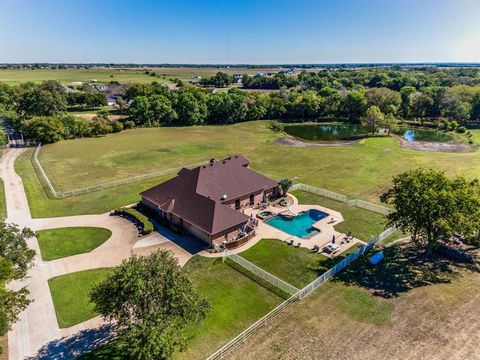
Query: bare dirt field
(419, 310)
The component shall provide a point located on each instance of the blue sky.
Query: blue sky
(260, 32)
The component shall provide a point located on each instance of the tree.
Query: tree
(190, 111)
(285, 185)
(354, 105)
(152, 300)
(387, 100)
(405, 94)
(46, 99)
(432, 207)
(373, 119)
(15, 260)
(44, 129)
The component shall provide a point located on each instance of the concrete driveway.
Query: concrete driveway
(37, 334)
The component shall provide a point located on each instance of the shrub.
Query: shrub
(442, 126)
(276, 126)
(146, 224)
(453, 125)
(117, 126)
(461, 129)
(129, 124)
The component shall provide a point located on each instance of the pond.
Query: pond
(429, 135)
(328, 132)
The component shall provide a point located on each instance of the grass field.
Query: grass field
(362, 171)
(59, 243)
(3, 204)
(94, 203)
(71, 295)
(67, 76)
(409, 307)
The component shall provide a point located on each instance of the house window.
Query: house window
(252, 199)
(237, 204)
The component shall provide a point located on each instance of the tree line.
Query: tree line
(39, 110)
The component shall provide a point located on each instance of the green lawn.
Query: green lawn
(3, 205)
(296, 266)
(94, 203)
(71, 295)
(363, 171)
(59, 243)
(236, 303)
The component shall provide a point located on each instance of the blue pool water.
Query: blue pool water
(300, 225)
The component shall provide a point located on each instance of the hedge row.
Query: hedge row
(146, 224)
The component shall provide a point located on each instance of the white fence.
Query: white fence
(272, 279)
(60, 195)
(340, 197)
(321, 192)
(307, 290)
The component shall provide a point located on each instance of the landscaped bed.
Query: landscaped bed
(71, 295)
(59, 243)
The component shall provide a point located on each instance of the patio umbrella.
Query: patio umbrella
(333, 239)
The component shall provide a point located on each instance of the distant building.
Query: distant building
(237, 78)
(195, 79)
(101, 88)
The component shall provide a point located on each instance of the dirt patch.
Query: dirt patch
(291, 141)
(90, 116)
(434, 146)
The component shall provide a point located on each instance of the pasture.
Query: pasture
(408, 307)
(363, 171)
(105, 75)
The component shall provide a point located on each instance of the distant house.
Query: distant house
(237, 78)
(101, 88)
(111, 100)
(208, 200)
(195, 79)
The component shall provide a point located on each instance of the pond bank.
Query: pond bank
(435, 146)
(292, 141)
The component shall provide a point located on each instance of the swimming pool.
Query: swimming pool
(300, 225)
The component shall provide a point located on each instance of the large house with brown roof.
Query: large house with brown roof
(208, 200)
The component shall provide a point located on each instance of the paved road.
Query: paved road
(36, 334)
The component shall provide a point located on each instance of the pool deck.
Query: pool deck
(324, 237)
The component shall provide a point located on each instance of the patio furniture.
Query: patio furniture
(291, 242)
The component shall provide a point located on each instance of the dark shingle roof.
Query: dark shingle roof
(195, 195)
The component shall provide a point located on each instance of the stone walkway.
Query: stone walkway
(37, 330)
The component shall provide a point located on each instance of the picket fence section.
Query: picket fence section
(307, 290)
(342, 198)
